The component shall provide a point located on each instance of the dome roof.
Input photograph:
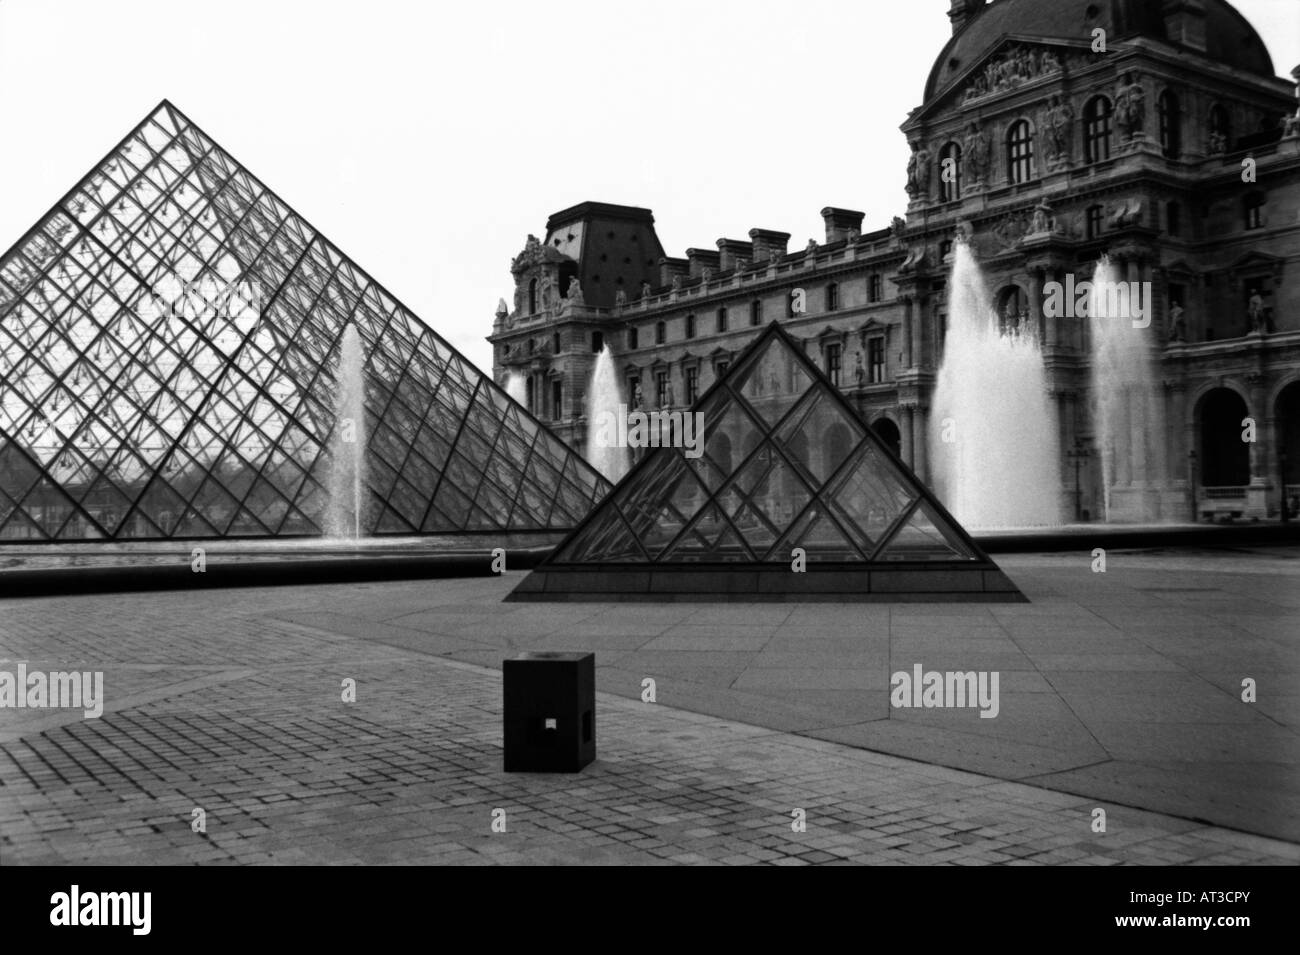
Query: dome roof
(1229, 37)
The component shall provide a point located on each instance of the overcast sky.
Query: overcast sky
(428, 139)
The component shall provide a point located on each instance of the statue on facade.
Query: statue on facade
(1130, 108)
(645, 291)
(677, 283)
(620, 298)
(1255, 311)
(575, 295)
(1216, 143)
(918, 171)
(976, 150)
(1041, 222)
(1177, 326)
(546, 291)
(1056, 123)
(811, 248)
(706, 275)
(859, 372)
(897, 227)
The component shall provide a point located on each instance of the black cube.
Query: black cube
(550, 712)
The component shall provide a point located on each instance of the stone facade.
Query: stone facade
(1175, 151)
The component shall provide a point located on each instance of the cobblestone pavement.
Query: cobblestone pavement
(214, 704)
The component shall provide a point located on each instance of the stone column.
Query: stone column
(919, 442)
(1051, 331)
(909, 359)
(905, 432)
(918, 329)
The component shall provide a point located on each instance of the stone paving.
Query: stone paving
(230, 702)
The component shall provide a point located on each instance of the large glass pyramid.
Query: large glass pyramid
(786, 466)
(169, 346)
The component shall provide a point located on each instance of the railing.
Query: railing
(1224, 493)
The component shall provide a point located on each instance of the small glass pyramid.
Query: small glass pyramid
(787, 470)
(169, 348)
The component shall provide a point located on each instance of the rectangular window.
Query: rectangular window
(690, 326)
(722, 319)
(692, 385)
(557, 400)
(631, 339)
(1094, 222)
(833, 364)
(873, 288)
(661, 389)
(876, 360)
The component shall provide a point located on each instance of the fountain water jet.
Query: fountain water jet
(1127, 413)
(516, 387)
(994, 443)
(347, 477)
(604, 396)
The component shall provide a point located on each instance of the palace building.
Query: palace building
(1050, 133)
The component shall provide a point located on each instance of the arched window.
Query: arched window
(722, 319)
(1220, 129)
(1171, 125)
(950, 173)
(532, 297)
(661, 333)
(597, 342)
(690, 325)
(755, 312)
(1020, 152)
(1013, 309)
(1096, 129)
(1253, 207)
(832, 296)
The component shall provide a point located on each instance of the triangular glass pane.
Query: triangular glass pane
(868, 496)
(772, 380)
(711, 537)
(925, 536)
(820, 538)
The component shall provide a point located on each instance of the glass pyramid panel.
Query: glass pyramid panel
(787, 463)
(923, 537)
(170, 339)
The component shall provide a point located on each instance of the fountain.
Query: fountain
(993, 432)
(347, 478)
(517, 387)
(604, 396)
(1127, 413)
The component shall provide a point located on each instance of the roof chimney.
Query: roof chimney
(732, 251)
(765, 242)
(840, 223)
(961, 12)
(701, 259)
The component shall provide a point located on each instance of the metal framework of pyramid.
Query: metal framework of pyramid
(786, 463)
(169, 339)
